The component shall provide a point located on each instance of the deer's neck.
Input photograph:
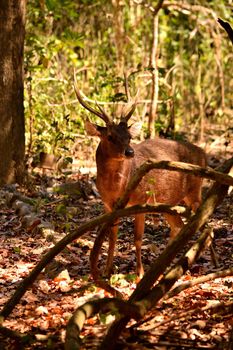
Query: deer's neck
(112, 177)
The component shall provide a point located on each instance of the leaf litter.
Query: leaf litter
(177, 323)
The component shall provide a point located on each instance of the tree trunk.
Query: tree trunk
(119, 35)
(155, 79)
(12, 139)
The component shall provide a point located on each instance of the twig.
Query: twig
(109, 218)
(218, 306)
(129, 309)
(202, 279)
(214, 196)
(134, 182)
(182, 287)
(76, 322)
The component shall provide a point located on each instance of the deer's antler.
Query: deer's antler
(101, 114)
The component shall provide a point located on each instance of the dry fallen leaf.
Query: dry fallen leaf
(41, 310)
(44, 286)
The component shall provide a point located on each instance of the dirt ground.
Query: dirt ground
(181, 322)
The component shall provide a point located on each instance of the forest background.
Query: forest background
(179, 60)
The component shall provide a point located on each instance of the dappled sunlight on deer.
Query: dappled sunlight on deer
(117, 160)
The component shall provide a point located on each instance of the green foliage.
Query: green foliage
(63, 34)
(17, 250)
(49, 56)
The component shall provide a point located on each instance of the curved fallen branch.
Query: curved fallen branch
(199, 280)
(128, 309)
(217, 307)
(149, 298)
(181, 287)
(134, 182)
(166, 257)
(76, 322)
(109, 218)
(213, 197)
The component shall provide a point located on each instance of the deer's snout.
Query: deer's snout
(129, 152)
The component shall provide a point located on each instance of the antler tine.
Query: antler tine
(101, 114)
(128, 111)
(104, 114)
(130, 108)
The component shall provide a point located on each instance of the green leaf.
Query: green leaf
(17, 250)
(61, 209)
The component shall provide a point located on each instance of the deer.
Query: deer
(117, 160)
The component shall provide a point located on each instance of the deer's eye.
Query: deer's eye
(110, 138)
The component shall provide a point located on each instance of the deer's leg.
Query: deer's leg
(112, 237)
(193, 198)
(139, 225)
(175, 223)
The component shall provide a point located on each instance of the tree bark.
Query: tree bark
(134, 182)
(154, 72)
(155, 78)
(12, 139)
(213, 198)
(119, 35)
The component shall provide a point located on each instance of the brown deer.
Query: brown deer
(117, 159)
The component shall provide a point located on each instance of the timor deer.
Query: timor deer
(117, 159)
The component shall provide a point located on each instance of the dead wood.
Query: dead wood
(220, 307)
(77, 189)
(199, 280)
(134, 182)
(11, 196)
(29, 218)
(151, 299)
(197, 221)
(214, 196)
(47, 258)
(130, 310)
(76, 322)
(181, 287)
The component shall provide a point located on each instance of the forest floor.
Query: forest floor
(181, 322)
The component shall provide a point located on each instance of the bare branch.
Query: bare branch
(214, 196)
(88, 226)
(219, 306)
(76, 322)
(176, 290)
(134, 182)
(227, 28)
(199, 280)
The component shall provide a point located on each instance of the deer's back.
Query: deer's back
(162, 185)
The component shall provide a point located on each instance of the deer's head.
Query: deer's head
(115, 137)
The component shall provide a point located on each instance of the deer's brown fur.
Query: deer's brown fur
(117, 159)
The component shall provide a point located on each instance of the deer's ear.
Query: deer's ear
(135, 129)
(92, 129)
